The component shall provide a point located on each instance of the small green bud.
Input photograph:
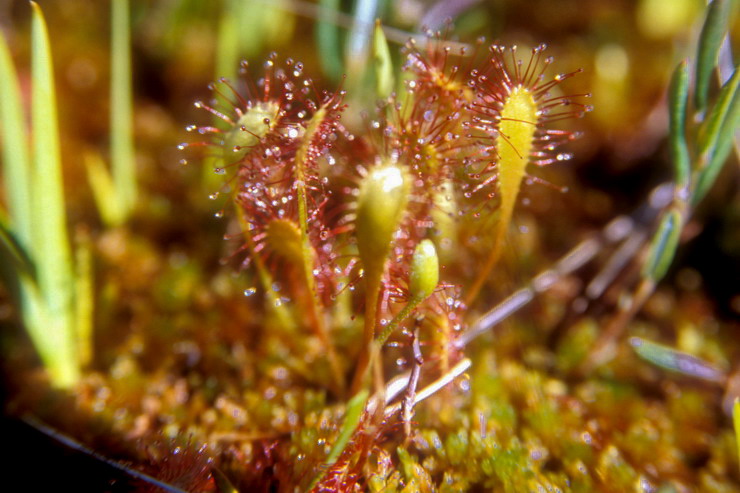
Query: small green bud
(424, 270)
(380, 206)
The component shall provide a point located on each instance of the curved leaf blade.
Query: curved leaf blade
(50, 248)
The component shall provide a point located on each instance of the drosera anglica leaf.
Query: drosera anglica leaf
(514, 110)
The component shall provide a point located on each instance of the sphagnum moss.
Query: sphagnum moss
(253, 378)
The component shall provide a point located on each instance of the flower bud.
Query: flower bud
(380, 206)
(424, 270)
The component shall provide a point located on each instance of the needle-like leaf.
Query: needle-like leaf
(678, 97)
(712, 34)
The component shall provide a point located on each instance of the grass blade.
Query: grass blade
(678, 98)
(710, 41)
(355, 408)
(327, 37)
(50, 248)
(16, 169)
(736, 423)
(11, 248)
(84, 298)
(227, 42)
(123, 161)
(358, 46)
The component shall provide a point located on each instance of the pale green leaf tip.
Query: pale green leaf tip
(383, 65)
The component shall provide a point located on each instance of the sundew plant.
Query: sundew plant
(390, 247)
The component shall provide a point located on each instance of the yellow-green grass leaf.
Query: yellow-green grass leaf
(736, 422)
(16, 163)
(123, 160)
(84, 298)
(13, 254)
(50, 242)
